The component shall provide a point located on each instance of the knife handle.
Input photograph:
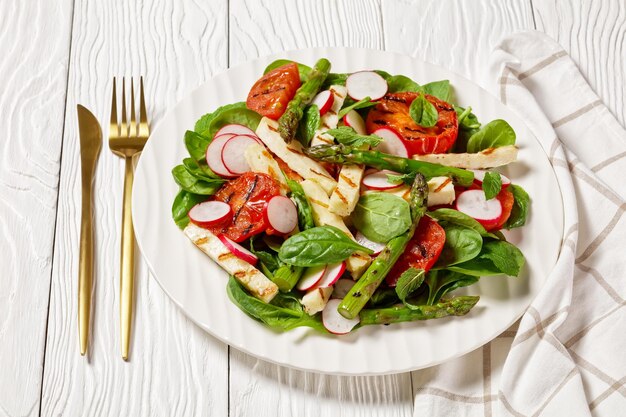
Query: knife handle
(85, 263)
(127, 262)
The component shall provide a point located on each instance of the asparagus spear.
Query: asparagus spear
(288, 122)
(457, 306)
(343, 154)
(361, 292)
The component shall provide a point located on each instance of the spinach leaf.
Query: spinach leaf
(334, 79)
(361, 104)
(383, 297)
(381, 216)
(408, 283)
(496, 257)
(492, 184)
(183, 202)
(302, 69)
(462, 244)
(492, 135)
(318, 246)
(305, 212)
(466, 119)
(520, 207)
(347, 136)
(269, 261)
(423, 112)
(309, 123)
(446, 215)
(236, 113)
(442, 282)
(199, 170)
(282, 314)
(196, 145)
(399, 83)
(439, 89)
(190, 183)
(407, 178)
(383, 74)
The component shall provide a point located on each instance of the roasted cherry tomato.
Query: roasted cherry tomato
(422, 251)
(247, 196)
(393, 111)
(507, 200)
(271, 93)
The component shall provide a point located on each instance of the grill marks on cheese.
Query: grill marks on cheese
(331, 118)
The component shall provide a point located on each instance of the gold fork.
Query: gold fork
(127, 140)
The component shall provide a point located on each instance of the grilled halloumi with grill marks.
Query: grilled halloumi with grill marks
(358, 262)
(251, 278)
(260, 160)
(292, 154)
(331, 118)
(440, 191)
(488, 158)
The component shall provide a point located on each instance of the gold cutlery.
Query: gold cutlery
(127, 140)
(90, 144)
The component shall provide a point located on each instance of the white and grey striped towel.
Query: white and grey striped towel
(567, 355)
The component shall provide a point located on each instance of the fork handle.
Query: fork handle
(127, 262)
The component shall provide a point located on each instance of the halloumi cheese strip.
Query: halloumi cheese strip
(345, 196)
(358, 262)
(488, 158)
(251, 278)
(260, 160)
(315, 300)
(331, 118)
(293, 156)
(440, 191)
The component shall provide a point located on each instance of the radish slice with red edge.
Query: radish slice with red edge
(239, 251)
(331, 275)
(479, 177)
(209, 213)
(311, 277)
(354, 120)
(378, 180)
(235, 129)
(342, 288)
(335, 322)
(366, 84)
(475, 204)
(281, 214)
(214, 155)
(324, 101)
(233, 154)
(370, 244)
(392, 143)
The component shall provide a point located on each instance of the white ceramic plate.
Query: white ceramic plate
(198, 285)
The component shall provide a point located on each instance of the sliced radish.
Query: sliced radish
(378, 180)
(331, 275)
(475, 204)
(239, 251)
(214, 155)
(281, 214)
(355, 121)
(235, 129)
(233, 154)
(363, 241)
(392, 142)
(342, 288)
(366, 84)
(324, 101)
(335, 322)
(209, 213)
(479, 177)
(311, 277)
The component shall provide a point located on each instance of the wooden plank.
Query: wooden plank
(32, 104)
(458, 35)
(594, 34)
(175, 368)
(257, 387)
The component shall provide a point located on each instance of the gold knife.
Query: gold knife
(90, 144)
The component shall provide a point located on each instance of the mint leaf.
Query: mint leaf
(361, 104)
(423, 112)
(408, 283)
(347, 136)
(492, 184)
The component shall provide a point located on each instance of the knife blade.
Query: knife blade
(90, 135)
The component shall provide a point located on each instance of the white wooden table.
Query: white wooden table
(56, 54)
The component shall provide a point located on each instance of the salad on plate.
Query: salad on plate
(337, 200)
